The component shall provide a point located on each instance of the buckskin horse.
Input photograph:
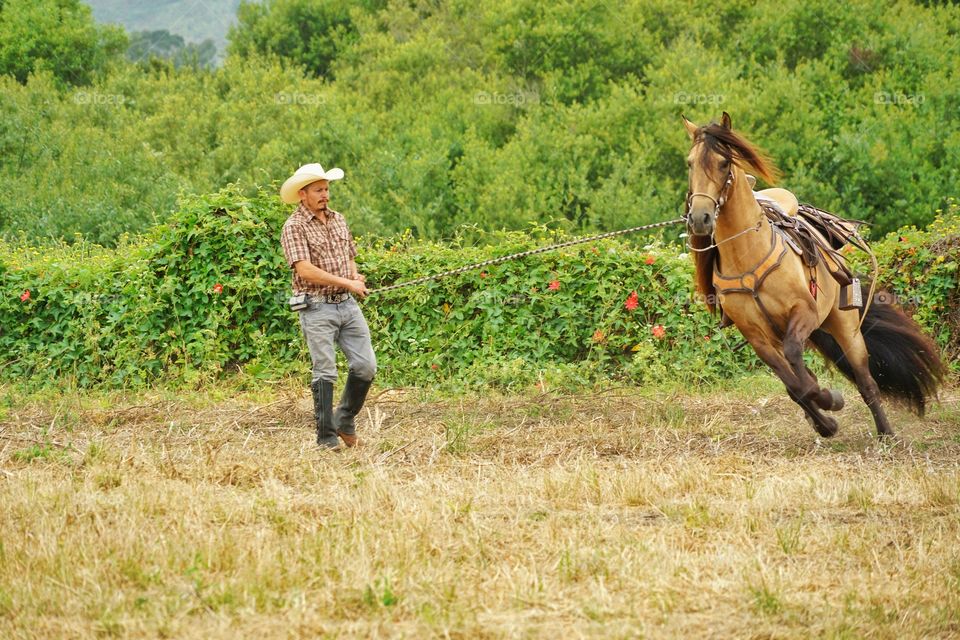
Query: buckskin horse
(780, 300)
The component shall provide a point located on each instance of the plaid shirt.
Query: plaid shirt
(326, 245)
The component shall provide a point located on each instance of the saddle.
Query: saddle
(785, 200)
(815, 235)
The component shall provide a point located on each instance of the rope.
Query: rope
(523, 254)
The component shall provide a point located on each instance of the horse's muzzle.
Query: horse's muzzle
(700, 222)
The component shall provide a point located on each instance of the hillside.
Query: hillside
(195, 20)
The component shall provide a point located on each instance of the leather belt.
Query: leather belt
(333, 298)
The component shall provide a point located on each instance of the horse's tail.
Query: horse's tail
(904, 362)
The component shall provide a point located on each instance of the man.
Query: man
(320, 250)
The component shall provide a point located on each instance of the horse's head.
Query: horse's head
(715, 153)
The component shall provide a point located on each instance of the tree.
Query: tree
(55, 35)
(307, 32)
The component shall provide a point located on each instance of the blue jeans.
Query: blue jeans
(326, 325)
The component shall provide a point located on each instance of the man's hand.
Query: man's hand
(357, 288)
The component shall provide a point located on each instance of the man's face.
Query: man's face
(316, 195)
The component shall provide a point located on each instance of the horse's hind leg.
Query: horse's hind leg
(796, 389)
(847, 334)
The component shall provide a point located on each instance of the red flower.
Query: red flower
(599, 335)
(218, 288)
(659, 332)
(632, 302)
(25, 295)
(434, 366)
(554, 285)
(483, 274)
(650, 260)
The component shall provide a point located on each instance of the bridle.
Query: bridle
(718, 202)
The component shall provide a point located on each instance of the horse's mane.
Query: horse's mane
(734, 147)
(703, 260)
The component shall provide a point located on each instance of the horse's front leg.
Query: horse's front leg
(800, 325)
(797, 389)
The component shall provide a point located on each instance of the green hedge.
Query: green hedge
(205, 295)
(920, 267)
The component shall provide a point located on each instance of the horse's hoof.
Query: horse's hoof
(837, 403)
(826, 430)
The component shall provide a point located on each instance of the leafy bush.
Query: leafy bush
(920, 269)
(206, 295)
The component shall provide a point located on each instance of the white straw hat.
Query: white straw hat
(303, 176)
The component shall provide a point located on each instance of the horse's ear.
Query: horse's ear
(691, 128)
(725, 120)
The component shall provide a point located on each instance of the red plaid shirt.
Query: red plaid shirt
(327, 245)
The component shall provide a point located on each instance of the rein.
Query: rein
(756, 227)
(523, 254)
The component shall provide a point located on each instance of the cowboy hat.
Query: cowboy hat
(302, 177)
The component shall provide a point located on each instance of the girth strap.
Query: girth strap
(751, 280)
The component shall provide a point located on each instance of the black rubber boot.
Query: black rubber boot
(354, 394)
(323, 413)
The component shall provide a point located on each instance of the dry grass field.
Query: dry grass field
(617, 514)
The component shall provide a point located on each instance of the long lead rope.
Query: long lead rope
(523, 254)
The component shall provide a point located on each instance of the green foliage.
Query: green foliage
(310, 33)
(58, 36)
(920, 269)
(520, 320)
(151, 309)
(500, 114)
